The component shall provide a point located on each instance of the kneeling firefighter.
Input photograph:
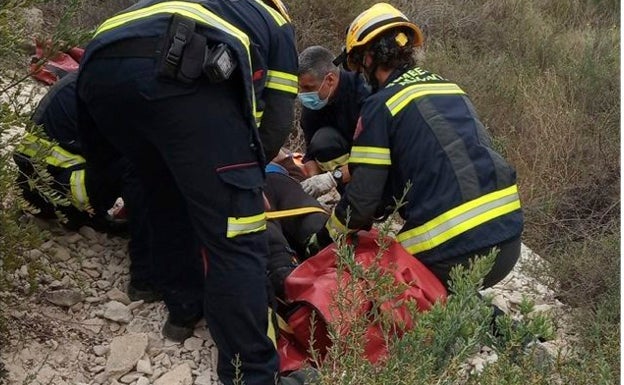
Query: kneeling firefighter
(418, 128)
(180, 88)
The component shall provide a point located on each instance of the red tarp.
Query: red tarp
(57, 65)
(314, 286)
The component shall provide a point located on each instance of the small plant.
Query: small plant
(442, 339)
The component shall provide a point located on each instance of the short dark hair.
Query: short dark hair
(317, 61)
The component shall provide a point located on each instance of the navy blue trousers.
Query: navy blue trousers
(199, 162)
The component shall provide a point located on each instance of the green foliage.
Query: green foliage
(443, 339)
(544, 77)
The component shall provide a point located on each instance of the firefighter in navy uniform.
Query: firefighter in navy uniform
(197, 94)
(56, 114)
(331, 100)
(421, 129)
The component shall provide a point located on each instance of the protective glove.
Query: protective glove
(320, 184)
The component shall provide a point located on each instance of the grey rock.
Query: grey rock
(73, 238)
(180, 375)
(204, 379)
(125, 352)
(129, 378)
(97, 248)
(88, 233)
(34, 255)
(115, 294)
(142, 381)
(138, 325)
(93, 324)
(144, 366)
(193, 343)
(135, 304)
(92, 273)
(114, 327)
(47, 245)
(60, 254)
(102, 284)
(100, 350)
(63, 297)
(117, 311)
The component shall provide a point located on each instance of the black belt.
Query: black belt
(136, 47)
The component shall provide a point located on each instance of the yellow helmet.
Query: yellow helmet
(375, 20)
(279, 6)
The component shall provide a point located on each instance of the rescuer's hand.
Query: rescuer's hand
(318, 185)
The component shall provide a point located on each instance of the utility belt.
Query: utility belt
(182, 54)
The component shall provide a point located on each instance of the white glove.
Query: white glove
(318, 185)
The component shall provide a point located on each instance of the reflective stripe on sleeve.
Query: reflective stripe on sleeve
(282, 81)
(245, 225)
(278, 214)
(78, 188)
(56, 156)
(399, 100)
(370, 155)
(460, 219)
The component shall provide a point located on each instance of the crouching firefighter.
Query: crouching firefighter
(91, 195)
(180, 88)
(420, 129)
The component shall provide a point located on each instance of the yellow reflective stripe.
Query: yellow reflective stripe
(56, 155)
(190, 10)
(370, 155)
(294, 212)
(245, 225)
(78, 189)
(398, 101)
(460, 219)
(334, 163)
(283, 325)
(334, 226)
(258, 115)
(271, 329)
(282, 81)
(279, 19)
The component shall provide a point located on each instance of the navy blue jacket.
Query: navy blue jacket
(342, 111)
(422, 131)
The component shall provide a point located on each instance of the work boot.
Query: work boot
(178, 332)
(143, 292)
(306, 376)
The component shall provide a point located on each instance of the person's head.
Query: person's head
(318, 77)
(381, 38)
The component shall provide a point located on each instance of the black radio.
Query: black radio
(219, 63)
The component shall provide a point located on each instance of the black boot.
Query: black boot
(178, 331)
(143, 292)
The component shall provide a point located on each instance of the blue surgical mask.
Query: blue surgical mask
(312, 100)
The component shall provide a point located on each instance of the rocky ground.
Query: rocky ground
(81, 328)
